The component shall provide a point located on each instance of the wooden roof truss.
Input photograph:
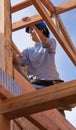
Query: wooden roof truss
(36, 110)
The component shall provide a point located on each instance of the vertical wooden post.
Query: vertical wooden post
(5, 49)
(5, 37)
(4, 123)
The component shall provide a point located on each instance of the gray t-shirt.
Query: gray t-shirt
(41, 60)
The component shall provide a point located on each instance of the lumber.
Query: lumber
(61, 8)
(55, 115)
(59, 95)
(21, 5)
(2, 56)
(48, 4)
(66, 34)
(5, 37)
(5, 50)
(30, 21)
(4, 123)
(66, 6)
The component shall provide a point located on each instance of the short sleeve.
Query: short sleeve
(50, 45)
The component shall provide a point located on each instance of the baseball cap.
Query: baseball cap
(39, 25)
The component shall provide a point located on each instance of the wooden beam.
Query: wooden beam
(42, 120)
(15, 126)
(55, 115)
(28, 125)
(48, 4)
(4, 123)
(8, 38)
(66, 6)
(66, 34)
(2, 56)
(5, 50)
(21, 5)
(59, 95)
(5, 37)
(30, 21)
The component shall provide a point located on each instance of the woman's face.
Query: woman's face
(34, 35)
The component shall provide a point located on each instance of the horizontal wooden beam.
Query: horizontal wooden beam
(42, 120)
(55, 96)
(30, 21)
(66, 6)
(21, 5)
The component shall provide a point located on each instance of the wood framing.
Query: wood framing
(40, 100)
(33, 109)
(5, 37)
(66, 6)
(42, 120)
(61, 35)
(5, 49)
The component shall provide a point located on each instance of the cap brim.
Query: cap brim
(27, 29)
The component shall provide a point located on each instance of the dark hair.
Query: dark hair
(40, 26)
(45, 29)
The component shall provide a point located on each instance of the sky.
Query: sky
(65, 67)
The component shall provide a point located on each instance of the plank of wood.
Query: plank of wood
(22, 24)
(2, 56)
(59, 95)
(48, 4)
(7, 38)
(55, 115)
(66, 34)
(4, 123)
(64, 7)
(5, 50)
(21, 5)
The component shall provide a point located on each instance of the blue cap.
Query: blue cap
(39, 24)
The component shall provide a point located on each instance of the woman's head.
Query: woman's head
(41, 26)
